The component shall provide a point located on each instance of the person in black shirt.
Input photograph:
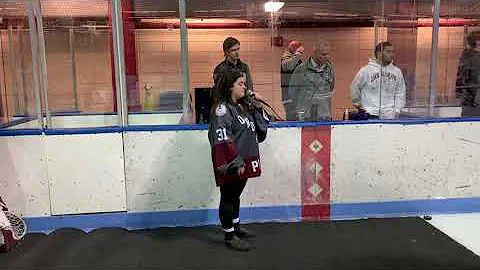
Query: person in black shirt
(468, 77)
(231, 50)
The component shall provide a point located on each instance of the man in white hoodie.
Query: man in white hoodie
(379, 88)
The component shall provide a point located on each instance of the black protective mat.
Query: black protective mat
(406, 243)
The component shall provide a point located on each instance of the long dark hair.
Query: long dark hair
(222, 92)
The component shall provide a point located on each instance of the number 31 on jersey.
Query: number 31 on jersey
(221, 134)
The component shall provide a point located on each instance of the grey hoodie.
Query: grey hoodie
(311, 87)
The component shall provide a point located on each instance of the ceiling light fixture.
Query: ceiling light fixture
(273, 6)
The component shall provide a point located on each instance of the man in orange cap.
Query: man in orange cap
(291, 59)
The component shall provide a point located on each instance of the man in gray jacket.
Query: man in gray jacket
(312, 84)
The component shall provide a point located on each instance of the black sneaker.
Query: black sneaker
(241, 232)
(236, 243)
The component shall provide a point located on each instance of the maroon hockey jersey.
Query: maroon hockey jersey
(234, 138)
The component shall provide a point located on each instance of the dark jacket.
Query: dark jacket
(226, 65)
(468, 82)
(234, 138)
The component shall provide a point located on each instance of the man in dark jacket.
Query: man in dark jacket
(468, 81)
(231, 50)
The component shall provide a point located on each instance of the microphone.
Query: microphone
(250, 95)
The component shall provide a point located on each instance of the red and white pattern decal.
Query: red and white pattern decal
(315, 173)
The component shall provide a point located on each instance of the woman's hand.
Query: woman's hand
(300, 50)
(256, 101)
(241, 170)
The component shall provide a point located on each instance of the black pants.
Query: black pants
(230, 202)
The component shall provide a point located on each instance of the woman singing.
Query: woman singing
(237, 124)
